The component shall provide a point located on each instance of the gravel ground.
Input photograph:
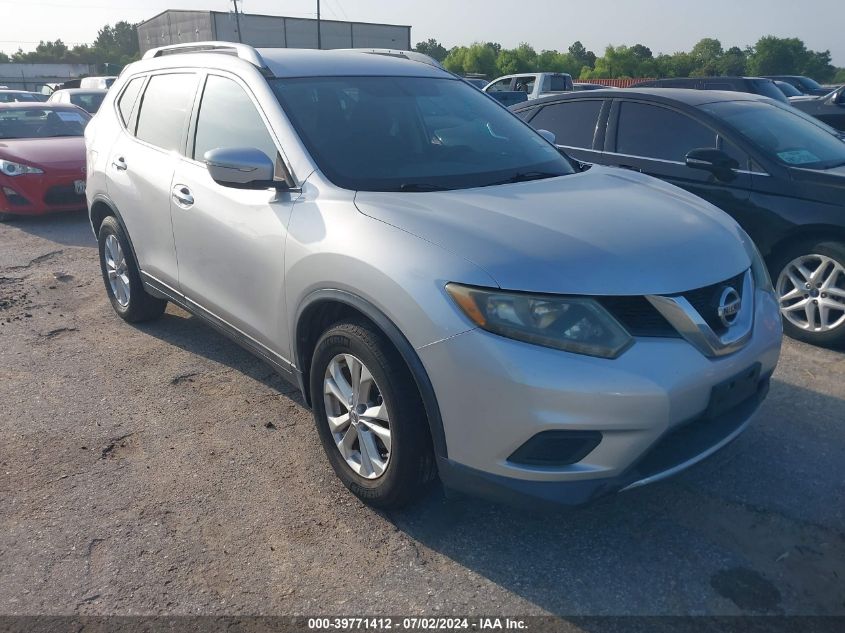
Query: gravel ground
(160, 469)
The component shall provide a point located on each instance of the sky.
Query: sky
(662, 25)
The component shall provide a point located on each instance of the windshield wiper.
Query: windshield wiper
(525, 176)
(420, 186)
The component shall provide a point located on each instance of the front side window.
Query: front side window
(128, 98)
(657, 132)
(573, 122)
(27, 122)
(412, 134)
(503, 85)
(228, 118)
(164, 109)
(787, 137)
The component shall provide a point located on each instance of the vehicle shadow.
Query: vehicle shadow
(67, 229)
(673, 548)
(185, 331)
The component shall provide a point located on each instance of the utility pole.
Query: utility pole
(319, 34)
(237, 20)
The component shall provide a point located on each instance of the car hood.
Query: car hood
(604, 231)
(45, 152)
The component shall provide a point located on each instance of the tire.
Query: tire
(128, 296)
(805, 321)
(408, 466)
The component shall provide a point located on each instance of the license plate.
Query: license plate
(79, 187)
(731, 392)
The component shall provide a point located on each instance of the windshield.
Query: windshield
(788, 89)
(767, 88)
(413, 134)
(41, 123)
(781, 133)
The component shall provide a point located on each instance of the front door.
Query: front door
(655, 140)
(230, 242)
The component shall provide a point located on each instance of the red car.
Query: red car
(42, 158)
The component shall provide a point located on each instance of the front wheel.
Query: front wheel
(370, 417)
(810, 284)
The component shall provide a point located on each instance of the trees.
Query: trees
(432, 48)
(839, 77)
(115, 45)
(475, 59)
(789, 56)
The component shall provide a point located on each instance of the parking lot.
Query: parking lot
(162, 469)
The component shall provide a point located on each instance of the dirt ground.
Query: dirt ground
(160, 469)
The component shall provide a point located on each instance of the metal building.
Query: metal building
(269, 31)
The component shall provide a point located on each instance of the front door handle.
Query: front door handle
(183, 196)
(120, 164)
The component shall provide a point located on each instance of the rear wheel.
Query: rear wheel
(810, 284)
(121, 277)
(370, 417)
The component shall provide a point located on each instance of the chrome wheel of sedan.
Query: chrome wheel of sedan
(117, 270)
(358, 418)
(811, 289)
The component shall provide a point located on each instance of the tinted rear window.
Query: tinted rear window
(128, 98)
(573, 123)
(656, 132)
(164, 109)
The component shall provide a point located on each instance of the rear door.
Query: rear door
(230, 242)
(578, 126)
(655, 139)
(140, 167)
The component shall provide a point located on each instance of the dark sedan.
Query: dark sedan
(777, 171)
(830, 108)
(804, 85)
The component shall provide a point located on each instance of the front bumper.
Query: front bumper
(40, 194)
(649, 405)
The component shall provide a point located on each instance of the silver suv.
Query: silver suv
(453, 295)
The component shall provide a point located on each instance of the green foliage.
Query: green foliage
(115, 47)
(789, 56)
(624, 61)
(432, 48)
(839, 77)
(475, 59)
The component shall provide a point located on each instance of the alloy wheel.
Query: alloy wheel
(117, 270)
(357, 415)
(811, 290)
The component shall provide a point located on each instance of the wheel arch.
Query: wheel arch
(103, 207)
(805, 233)
(323, 308)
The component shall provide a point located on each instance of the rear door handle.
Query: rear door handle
(120, 164)
(183, 196)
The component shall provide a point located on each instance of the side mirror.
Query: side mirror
(715, 161)
(549, 136)
(241, 168)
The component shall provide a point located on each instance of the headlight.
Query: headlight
(758, 265)
(9, 168)
(573, 324)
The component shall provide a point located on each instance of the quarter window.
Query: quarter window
(164, 109)
(573, 123)
(228, 118)
(656, 132)
(128, 98)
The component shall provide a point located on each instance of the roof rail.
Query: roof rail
(243, 51)
(390, 52)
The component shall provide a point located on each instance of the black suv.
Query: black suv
(804, 85)
(752, 85)
(777, 171)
